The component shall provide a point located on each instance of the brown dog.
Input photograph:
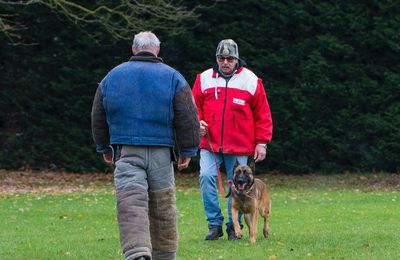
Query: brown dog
(249, 195)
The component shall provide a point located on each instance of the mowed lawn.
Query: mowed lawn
(313, 217)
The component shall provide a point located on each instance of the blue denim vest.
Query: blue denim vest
(138, 101)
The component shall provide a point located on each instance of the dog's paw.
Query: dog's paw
(265, 233)
(239, 234)
(252, 240)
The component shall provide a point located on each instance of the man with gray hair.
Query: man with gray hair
(141, 110)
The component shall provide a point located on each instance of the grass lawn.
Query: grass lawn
(313, 217)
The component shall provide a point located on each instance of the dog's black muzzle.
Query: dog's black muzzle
(241, 182)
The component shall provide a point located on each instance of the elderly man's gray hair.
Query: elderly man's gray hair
(146, 41)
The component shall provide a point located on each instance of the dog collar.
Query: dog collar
(251, 187)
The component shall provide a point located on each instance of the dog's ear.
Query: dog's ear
(236, 164)
(252, 164)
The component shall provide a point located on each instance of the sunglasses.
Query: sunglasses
(228, 59)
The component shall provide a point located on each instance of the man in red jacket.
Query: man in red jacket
(235, 122)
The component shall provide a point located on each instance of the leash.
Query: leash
(220, 185)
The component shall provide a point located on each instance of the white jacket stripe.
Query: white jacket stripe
(246, 80)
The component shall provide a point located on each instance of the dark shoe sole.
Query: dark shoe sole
(214, 238)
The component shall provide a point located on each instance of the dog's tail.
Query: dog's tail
(229, 193)
(230, 189)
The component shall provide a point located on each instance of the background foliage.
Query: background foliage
(330, 69)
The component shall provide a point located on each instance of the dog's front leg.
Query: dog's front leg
(251, 220)
(236, 226)
(266, 213)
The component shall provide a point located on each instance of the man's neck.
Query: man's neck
(145, 53)
(226, 76)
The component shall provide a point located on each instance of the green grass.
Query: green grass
(315, 217)
(70, 226)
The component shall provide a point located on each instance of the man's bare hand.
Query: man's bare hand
(203, 128)
(183, 162)
(260, 153)
(108, 158)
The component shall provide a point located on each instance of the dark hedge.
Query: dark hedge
(330, 69)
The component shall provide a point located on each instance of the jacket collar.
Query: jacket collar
(146, 56)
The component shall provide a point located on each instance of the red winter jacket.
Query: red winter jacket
(236, 111)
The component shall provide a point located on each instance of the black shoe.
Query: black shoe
(214, 232)
(230, 231)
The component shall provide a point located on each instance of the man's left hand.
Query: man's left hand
(260, 153)
(108, 157)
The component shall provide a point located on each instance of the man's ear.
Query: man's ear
(252, 164)
(133, 50)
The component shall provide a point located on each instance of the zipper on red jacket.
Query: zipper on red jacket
(223, 113)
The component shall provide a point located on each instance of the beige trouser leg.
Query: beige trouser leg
(132, 212)
(146, 208)
(163, 226)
